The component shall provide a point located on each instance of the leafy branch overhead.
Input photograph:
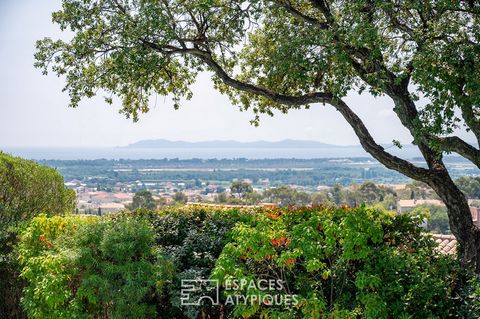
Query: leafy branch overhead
(278, 54)
(269, 55)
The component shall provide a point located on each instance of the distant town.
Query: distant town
(108, 186)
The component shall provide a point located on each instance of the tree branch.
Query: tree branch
(206, 57)
(459, 146)
(298, 14)
(366, 139)
(376, 150)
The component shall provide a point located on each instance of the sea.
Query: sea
(75, 153)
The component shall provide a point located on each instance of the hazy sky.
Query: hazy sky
(34, 112)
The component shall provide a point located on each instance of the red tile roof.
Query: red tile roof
(447, 244)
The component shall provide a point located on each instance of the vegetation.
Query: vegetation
(357, 263)
(86, 267)
(437, 218)
(180, 198)
(26, 190)
(361, 263)
(105, 174)
(285, 196)
(143, 199)
(272, 56)
(241, 189)
(470, 186)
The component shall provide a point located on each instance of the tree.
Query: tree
(336, 194)
(321, 198)
(279, 55)
(470, 186)
(438, 221)
(370, 193)
(286, 196)
(180, 197)
(143, 199)
(240, 188)
(221, 198)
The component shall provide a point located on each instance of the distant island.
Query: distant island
(163, 143)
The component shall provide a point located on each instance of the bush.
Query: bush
(47, 266)
(343, 263)
(192, 239)
(26, 190)
(340, 263)
(90, 268)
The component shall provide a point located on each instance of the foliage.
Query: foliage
(192, 239)
(275, 56)
(90, 268)
(102, 173)
(26, 190)
(438, 221)
(339, 262)
(469, 185)
(180, 197)
(286, 196)
(355, 263)
(143, 199)
(271, 55)
(241, 188)
(47, 267)
(368, 193)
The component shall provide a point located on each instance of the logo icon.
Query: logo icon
(195, 291)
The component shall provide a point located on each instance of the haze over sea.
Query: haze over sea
(64, 153)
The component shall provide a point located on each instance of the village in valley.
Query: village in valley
(112, 185)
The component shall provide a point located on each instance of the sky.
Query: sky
(34, 111)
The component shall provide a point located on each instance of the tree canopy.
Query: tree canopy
(240, 188)
(28, 189)
(143, 199)
(279, 55)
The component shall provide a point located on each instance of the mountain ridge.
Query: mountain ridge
(287, 143)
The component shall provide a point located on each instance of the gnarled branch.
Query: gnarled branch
(459, 146)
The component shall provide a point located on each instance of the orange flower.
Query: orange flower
(291, 261)
(280, 241)
(44, 239)
(272, 215)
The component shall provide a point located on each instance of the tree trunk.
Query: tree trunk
(460, 219)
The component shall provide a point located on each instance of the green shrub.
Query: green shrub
(91, 268)
(48, 266)
(26, 190)
(340, 263)
(192, 238)
(343, 263)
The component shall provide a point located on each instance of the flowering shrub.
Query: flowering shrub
(320, 263)
(339, 263)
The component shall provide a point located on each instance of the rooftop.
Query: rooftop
(447, 244)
